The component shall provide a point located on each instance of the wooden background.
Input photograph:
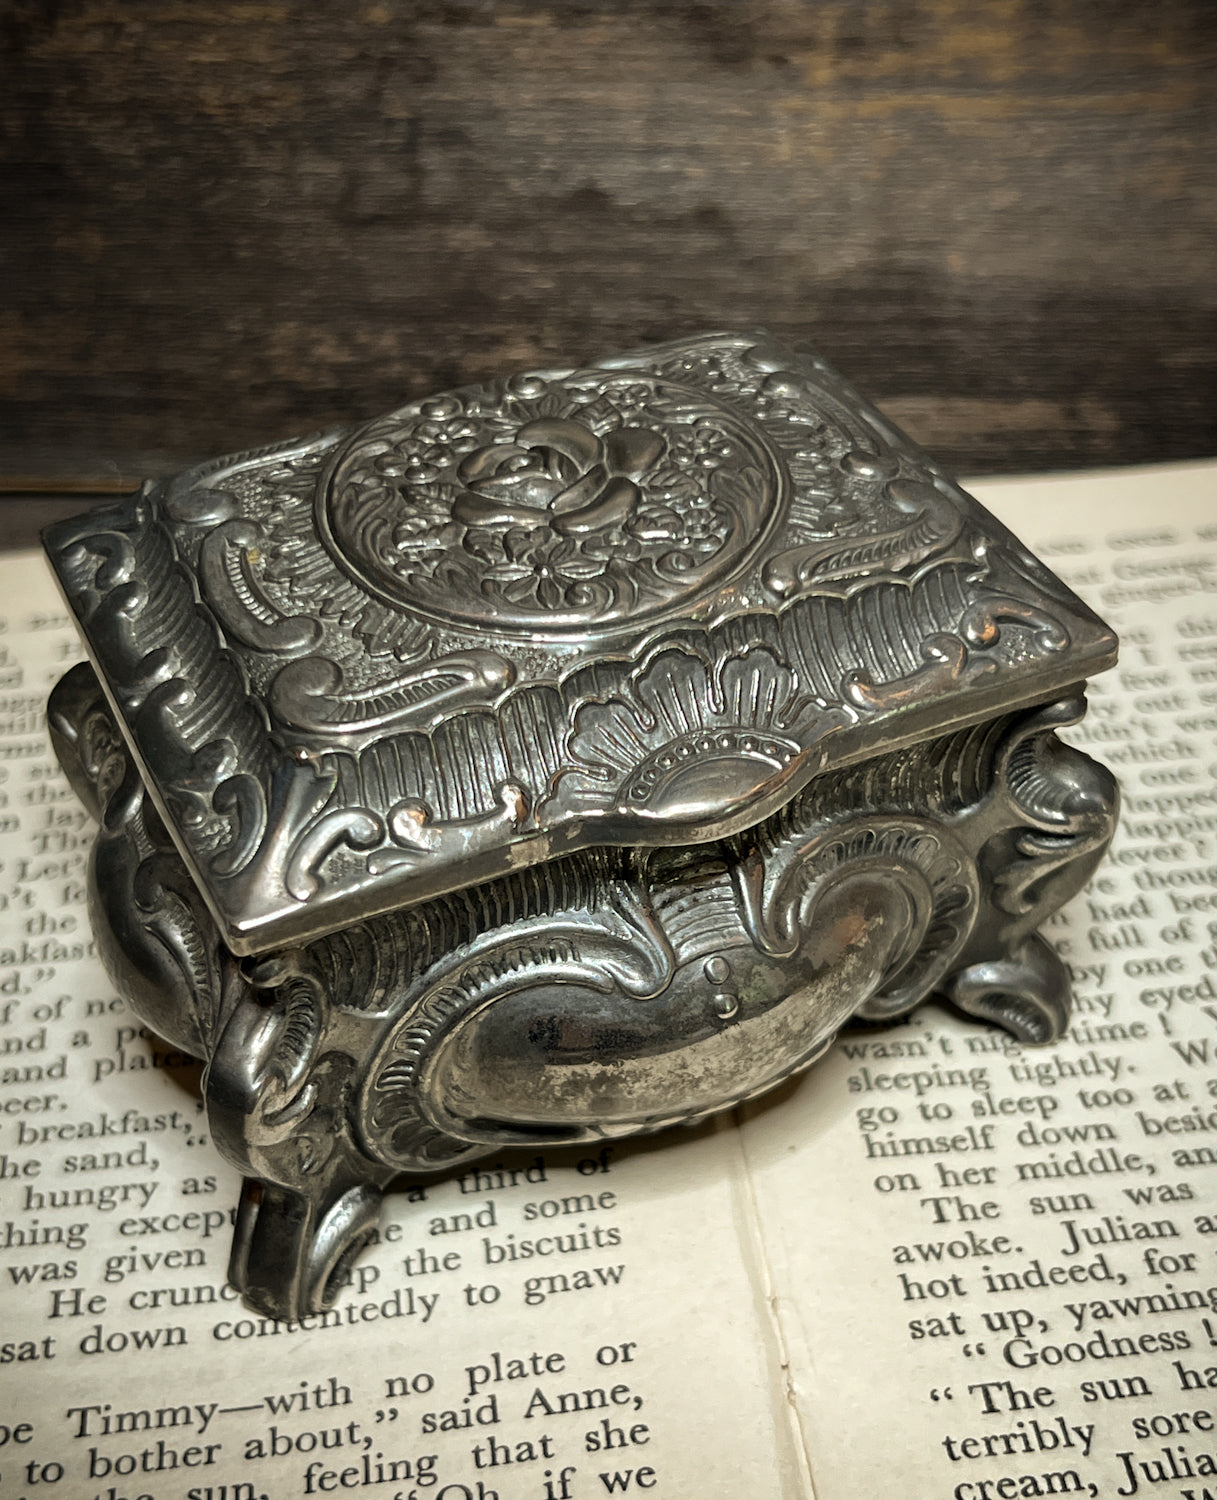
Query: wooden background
(226, 223)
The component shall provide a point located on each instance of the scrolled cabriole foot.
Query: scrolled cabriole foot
(1039, 834)
(278, 1103)
(1025, 991)
(291, 1251)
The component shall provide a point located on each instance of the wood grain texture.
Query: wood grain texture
(225, 224)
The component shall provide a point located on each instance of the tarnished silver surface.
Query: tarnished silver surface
(561, 757)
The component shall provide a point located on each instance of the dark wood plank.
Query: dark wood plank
(225, 224)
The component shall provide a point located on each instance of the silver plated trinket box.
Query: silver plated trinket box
(563, 757)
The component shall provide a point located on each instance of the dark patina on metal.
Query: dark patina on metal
(559, 758)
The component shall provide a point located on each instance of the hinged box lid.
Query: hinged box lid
(642, 602)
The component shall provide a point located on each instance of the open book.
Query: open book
(939, 1265)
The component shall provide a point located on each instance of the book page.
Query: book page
(636, 1348)
(994, 1264)
(545, 1326)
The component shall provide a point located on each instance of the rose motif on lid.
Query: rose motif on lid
(559, 469)
(551, 506)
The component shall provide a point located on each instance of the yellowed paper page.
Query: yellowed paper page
(716, 1313)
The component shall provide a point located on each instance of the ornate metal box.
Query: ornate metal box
(560, 758)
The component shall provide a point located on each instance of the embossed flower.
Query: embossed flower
(552, 504)
(558, 472)
(541, 567)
